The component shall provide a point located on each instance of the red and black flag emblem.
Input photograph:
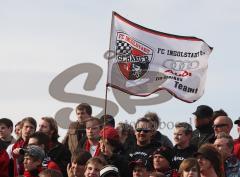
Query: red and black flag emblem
(132, 56)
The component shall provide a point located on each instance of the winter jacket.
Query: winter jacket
(59, 154)
(18, 159)
(203, 135)
(162, 139)
(236, 151)
(4, 163)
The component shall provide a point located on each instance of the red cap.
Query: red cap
(109, 132)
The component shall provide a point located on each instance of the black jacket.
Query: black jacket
(121, 162)
(162, 139)
(203, 135)
(60, 155)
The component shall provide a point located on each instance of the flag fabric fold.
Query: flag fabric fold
(147, 61)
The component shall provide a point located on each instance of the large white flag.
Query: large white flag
(146, 61)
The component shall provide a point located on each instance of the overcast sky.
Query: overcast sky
(41, 39)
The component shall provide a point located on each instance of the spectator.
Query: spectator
(18, 130)
(111, 150)
(6, 128)
(144, 145)
(93, 167)
(91, 142)
(222, 124)
(109, 171)
(203, 122)
(50, 173)
(28, 127)
(56, 151)
(10, 147)
(210, 161)
(189, 167)
(161, 160)
(83, 112)
(126, 136)
(41, 140)
(108, 120)
(33, 157)
(182, 149)
(72, 139)
(78, 163)
(139, 167)
(158, 136)
(237, 141)
(224, 143)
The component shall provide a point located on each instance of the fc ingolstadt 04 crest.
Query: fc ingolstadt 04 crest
(133, 57)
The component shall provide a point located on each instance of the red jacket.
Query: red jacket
(4, 163)
(237, 148)
(18, 159)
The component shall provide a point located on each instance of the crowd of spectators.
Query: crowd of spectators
(97, 147)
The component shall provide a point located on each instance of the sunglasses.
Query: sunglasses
(219, 125)
(142, 129)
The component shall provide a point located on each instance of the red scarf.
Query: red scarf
(87, 148)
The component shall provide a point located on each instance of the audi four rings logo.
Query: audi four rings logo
(179, 65)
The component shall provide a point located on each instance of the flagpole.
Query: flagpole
(108, 58)
(105, 109)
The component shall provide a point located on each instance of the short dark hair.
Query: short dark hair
(80, 157)
(41, 137)
(143, 119)
(108, 120)
(6, 122)
(186, 126)
(86, 107)
(219, 112)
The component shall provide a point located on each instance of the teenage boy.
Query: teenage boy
(33, 157)
(6, 128)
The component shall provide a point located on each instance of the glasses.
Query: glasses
(219, 125)
(142, 129)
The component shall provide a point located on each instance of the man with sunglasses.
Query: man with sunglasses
(222, 124)
(143, 133)
(237, 141)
